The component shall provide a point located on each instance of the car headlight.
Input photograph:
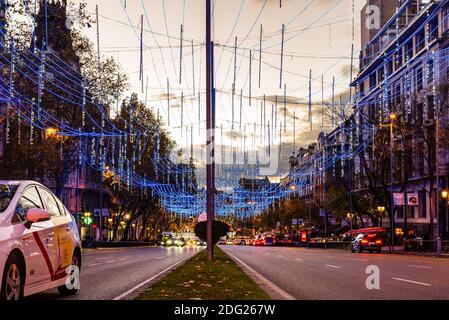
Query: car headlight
(169, 241)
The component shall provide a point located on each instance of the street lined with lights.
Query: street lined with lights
(305, 273)
(109, 273)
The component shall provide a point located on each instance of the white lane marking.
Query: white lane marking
(262, 278)
(112, 261)
(279, 256)
(299, 260)
(127, 293)
(329, 256)
(159, 257)
(103, 258)
(122, 259)
(332, 266)
(94, 264)
(414, 282)
(416, 266)
(361, 260)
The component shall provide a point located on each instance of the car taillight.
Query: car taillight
(378, 241)
(364, 241)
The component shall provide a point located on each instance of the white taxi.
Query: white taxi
(40, 248)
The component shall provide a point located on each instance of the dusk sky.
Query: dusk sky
(318, 36)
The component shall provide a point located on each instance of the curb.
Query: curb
(269, 287)
(417, 254)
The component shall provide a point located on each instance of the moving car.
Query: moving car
(241, 241)
(265, 239)
(192, 242)
(179, 242)
(40, 247)
(367, 242)
(166, 241)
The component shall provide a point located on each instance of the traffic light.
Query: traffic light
(87, 221)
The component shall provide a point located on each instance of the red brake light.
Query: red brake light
(378, 241)
(364, 241)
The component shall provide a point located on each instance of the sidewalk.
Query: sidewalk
(400, 250)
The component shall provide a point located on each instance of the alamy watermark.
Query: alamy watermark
(73, 278)
(372, 282)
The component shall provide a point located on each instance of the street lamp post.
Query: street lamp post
(350, 216)
(380, 210)
(392, 117)
(445, 196)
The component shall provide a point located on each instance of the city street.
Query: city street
(336, 274)
(109, 273)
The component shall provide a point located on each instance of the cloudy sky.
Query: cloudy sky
(318, 36)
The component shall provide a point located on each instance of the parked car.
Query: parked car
(367, 242)
(40, 247)
(241, 241)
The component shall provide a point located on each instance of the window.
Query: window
(30, 199)
(419, 79)
(400, 212)
(6, 194)
(50, 202)
(422, 204)
(62, 208)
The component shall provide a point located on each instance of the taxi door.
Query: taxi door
(34, 239)
(59, 248)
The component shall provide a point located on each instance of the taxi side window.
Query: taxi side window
(62, 208)
(50, 202)
(28, 200)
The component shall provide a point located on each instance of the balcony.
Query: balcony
(406, 15)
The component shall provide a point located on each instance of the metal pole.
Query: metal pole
(210, 166)
(391, 190)
(447, 222)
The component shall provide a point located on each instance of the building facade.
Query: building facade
(403, 83)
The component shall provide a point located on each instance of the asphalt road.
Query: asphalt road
(108, 273)
(317, 274)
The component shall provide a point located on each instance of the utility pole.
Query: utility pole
(3, 5)
(391, 186)
(210, 165)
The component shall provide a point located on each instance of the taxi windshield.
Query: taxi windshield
(6, 194)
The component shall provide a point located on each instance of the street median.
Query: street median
(199, 279)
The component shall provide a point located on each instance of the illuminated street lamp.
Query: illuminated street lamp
(445, 196)
(381, 211)
(51, 133)
(350, 217)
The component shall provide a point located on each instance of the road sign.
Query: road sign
(322, 213)
(412, 199)
(398, 199)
